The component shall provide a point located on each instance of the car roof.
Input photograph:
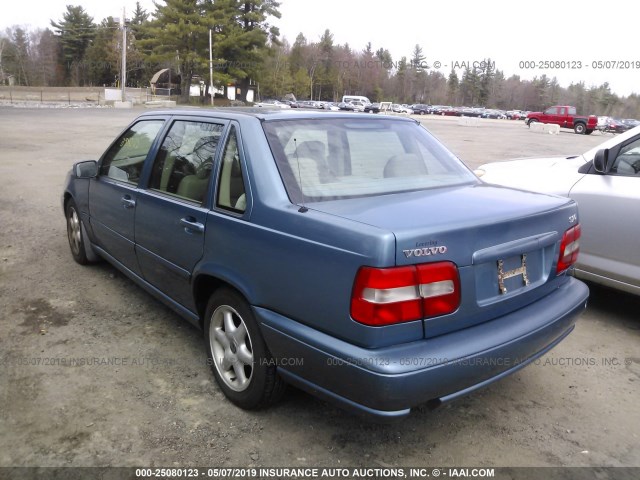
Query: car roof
(263, 114)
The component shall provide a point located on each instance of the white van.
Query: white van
(353, 98)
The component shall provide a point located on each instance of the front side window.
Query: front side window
(551, 111)
(125, 158)
(628, 160)
(345, 158)
(185, 159)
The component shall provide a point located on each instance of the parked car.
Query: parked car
(471, 112)
(631, 122)
(605, 181)
(615, 125)
(333, 106)
(269, 103)
(397, 108)
(451, 111)
(355, 98)
(355, 106)
(420, 108)
(299, 244)
(307, 104)
(372, 108)
(516, 115)
(495, 114)
(564, 116)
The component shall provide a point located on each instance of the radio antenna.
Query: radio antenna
(302, 208)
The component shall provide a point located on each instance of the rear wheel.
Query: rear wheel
(239, 357)
(580, 128)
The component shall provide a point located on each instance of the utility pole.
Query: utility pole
(124, 55)
(211, 66)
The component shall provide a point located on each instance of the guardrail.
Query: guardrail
(67, 95)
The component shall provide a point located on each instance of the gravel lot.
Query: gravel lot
(95, 372)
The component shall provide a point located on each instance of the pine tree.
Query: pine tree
(245, 37)
(16, 55)
(101, 58)
(418, 59)
(177, 38)
(296, 56)
(486, 74)
(76, 31)
(452, 87)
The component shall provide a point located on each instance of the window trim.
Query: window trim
(232, 126)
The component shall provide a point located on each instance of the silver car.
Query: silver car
(605, 181)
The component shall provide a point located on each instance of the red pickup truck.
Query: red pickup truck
(566, 117)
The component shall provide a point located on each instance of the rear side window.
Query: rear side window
(124, 160)
(325, 159)
(231, 191)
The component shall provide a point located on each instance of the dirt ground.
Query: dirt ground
(95, 372)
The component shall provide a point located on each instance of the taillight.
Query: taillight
(383, 296)
(569, 248)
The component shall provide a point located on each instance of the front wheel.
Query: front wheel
(580, 128)
(75, 234)
(239, 357)
(530, 122)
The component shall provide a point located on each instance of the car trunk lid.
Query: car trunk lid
(504, 242)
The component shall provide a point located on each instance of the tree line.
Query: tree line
(76, 51)
(248, 50)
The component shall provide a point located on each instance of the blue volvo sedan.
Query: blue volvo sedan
(352, 256)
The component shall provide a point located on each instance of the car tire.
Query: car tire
(239, 358)
(588, 131)
(580, 128)
(529, 122)
(75, 234)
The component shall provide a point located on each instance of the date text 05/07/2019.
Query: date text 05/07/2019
(579, 64)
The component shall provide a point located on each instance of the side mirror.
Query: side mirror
(600, 161)
(86, 169)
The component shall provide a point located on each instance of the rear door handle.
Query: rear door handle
(128, 202)
(191, 225)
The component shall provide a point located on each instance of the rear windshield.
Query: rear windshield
(328, 159)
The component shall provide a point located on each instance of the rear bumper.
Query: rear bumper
(388, 382)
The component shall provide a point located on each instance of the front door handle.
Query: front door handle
(128, 202)
(191, 225)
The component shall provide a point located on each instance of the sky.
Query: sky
(588, 41)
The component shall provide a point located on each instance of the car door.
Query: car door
(113, 193)
(610, 218)
(563, 117)
(172, 208)
(550, 115)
